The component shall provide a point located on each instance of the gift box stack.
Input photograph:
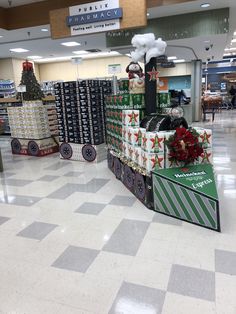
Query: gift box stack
(145, 149)
(115, 104)
(30, 130)
(205, 137)
(29, 121)
(52, 119)
(81, 117)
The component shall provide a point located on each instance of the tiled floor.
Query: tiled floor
(73, 239)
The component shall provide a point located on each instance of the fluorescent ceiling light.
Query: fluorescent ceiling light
(70, 44)
(179, 61)
(233, 40)
(18, 50)
(234, 33)
(44, 30)
(128, 55)
(34, 57)
(205, 5)
(227, 54)
(230, 49)
(1, 36)
(54, 59)
(86, 56)
(172, 58)
(81, 52)
(206, 41)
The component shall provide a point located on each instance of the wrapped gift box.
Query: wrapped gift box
(137, 156)
(130, 118)
(133, 136)
(153, 142)
(205, 137)
(152, 161)
(206, 157)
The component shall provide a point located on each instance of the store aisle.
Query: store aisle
(74, 240)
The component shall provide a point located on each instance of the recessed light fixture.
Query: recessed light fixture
(205, 5)
(229, 49)
(18, 50)
(80, 52)
(148, 14)
(179, 61)
(206, 41)
(34, 57)
(1, 36)
(172, 58)
(70, 44)
(44, 30)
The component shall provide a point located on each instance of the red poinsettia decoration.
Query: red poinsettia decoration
(184, 146)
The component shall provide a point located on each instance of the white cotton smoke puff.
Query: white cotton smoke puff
(147, 45)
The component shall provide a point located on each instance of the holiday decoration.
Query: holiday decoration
(184, 146)
(153, 74)
(147, 46)
(134, 70)
(33, 89)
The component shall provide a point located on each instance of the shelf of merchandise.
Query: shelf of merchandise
(7, 88)
(4, 104)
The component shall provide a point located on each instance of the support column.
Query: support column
(151, 86)
(196, 89)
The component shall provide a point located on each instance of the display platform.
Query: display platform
(34, 147)
(136, 180)
(80, 152)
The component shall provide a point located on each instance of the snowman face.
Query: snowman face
(134, 67)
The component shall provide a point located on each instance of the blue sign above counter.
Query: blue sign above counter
(99, 16)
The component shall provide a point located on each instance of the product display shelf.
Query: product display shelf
(81, 119)
(7, 88)
(4, 104)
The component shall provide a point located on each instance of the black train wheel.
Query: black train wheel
(117, 168)
(33, 148)
(110, 160)
(128, 177)
(15, 146)
(66, 150)
(140, 187)
(89, 153)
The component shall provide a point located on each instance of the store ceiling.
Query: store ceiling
(15, 3)
(40, 43)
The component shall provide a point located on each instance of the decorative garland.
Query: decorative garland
(184, 146)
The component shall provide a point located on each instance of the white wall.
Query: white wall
(180, 69)
(6, 69)
(98, 68)
(91, 68)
